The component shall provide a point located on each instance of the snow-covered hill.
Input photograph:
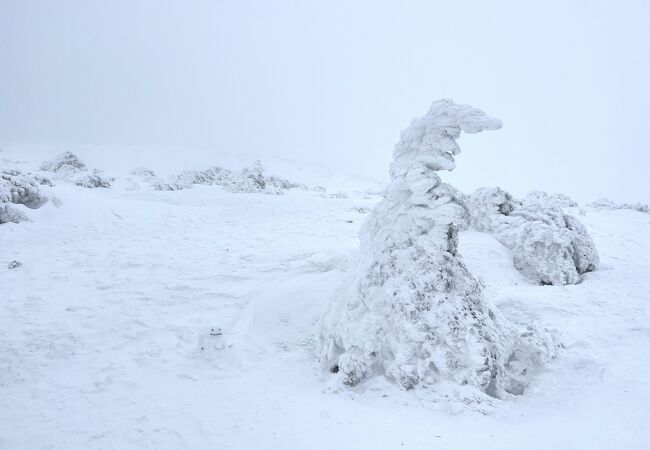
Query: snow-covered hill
(155, 319)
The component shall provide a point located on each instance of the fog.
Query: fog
(335, 82)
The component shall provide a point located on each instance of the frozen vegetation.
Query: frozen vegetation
(410, 309)
(94, 180)
(68, 167)
(248, 180)
(548, 245)
(17, 192)
(65, 163)
(604, 203)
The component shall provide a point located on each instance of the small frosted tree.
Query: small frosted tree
(410, 309)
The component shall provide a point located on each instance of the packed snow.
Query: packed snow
(141, 318)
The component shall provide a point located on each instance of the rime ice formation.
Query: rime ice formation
(547, 245)
(410, 309)
(19, 189)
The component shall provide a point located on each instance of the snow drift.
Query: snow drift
(548, 245)
(410, 309)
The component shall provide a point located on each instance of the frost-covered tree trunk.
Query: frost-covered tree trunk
(410, 309)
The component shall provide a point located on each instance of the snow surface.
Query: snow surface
(150, 319)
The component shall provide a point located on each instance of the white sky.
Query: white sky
(336, 81)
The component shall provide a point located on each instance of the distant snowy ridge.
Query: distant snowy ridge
(410, 309)
(548, 245)
(605, 203)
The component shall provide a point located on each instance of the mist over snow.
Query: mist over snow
(250, 225)
(331, 82)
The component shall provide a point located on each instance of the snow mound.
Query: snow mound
(65, 163)
(410, 309)
(19, 189)
(605, 203)
(548, 245)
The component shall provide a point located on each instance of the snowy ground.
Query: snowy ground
(106, 342)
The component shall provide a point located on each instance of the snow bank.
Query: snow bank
(605, 203)
(410, 309)
(18, 190)
(548, 245)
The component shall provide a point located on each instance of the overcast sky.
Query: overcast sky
(336, 82)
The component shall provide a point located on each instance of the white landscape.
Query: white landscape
(250, 225)
(137, 317)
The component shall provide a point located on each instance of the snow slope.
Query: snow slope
(109, 331)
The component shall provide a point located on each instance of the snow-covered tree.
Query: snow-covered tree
(548, 245)
(410, 309)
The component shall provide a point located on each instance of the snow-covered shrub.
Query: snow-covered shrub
(65, 163)
(282, 184)
(162, 185)
(410, 309)
(10, 213)
(542, 199)
(144, 173)
(94, 180)
(18, 189)
(212, 176)
(21, 189)
(248, 180)
(251, 179)
(548, 245)
(605, 203)
(14, 265)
